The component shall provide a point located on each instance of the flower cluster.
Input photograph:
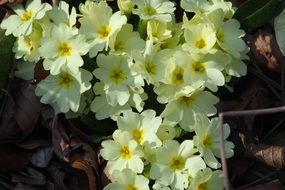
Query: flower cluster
(139, 55)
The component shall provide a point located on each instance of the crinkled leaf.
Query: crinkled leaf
(279, 26)
(6, 57)
(255, 13)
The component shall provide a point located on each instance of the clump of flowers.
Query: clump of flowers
(155, 76)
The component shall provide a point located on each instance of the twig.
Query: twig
(268, 83)
(264, 78)
(235, 114)
(273, 129)
(5, 184)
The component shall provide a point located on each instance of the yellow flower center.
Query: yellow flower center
(64, 49)
(117, 76)
(131, 187)
(198, 67)
(150, 68)
(164, 45)
(207, 141)
(177, 163)
(104, 32)
(200, 43)
(65, 80)
(185, 101)
(125, 152)
(119, 46)
(177, 76)
(203, 186)
(27, 15)
(138, 135)
(149, 11)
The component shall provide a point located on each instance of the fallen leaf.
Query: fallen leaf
(72, 150)
(85, 166)
(272, 185)
(265, 50)
(269, 154)
(67, 178)
(27, 107)
(42, 157)
(9, 129)
(10, 1)
(13, 158)
(40, 73)
(29, 176)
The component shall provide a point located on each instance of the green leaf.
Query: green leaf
(99, 128)
(279, 26)
(6, 57)
(255, 13)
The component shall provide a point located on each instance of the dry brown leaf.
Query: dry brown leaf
(72, 150)
(13, 158)
(27, 107)
(40, 73)
(10, 1)
(272, 185)
(265, 50)
(85, 166)
(8, 126)
(271, 155)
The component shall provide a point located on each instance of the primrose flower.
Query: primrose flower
(174, 163)
(158, 186)
(127, 180)
(154, 10)
(207, 140)
(22, 22)
(115, 73)
(174, 40)
(224, 5)
(237, 67)
(99, 25)
(138, 96)
(166, 132)
(63, 47)
(157, 31)
(204, 7)
(25, 70)
(207, 180)
(63, 91)
(126, 6)
(127, 41)
(205, 68)
(142, 127)
(194, 5)
(182, 109)
(102, 108)
(27, 46)
(200, 38)
(122, 152)
(229, 38)
(60, 14)
(151, 65)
